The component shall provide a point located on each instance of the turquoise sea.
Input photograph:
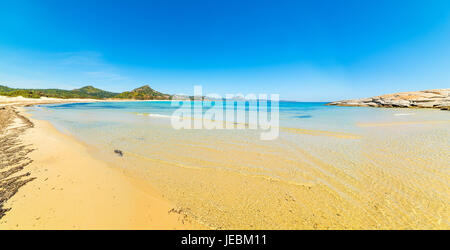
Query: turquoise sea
(305, 115)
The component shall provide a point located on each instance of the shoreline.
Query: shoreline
(64, 187)
(81, 186)
(27, 102)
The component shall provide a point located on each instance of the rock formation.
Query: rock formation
(436, 98)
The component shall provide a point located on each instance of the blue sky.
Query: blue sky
(303, 50)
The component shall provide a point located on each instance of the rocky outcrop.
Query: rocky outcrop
(436, 98)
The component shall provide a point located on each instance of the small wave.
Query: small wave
(190, 117)
(404, 114)
(400, 123)
(154, 115)
(160, 116)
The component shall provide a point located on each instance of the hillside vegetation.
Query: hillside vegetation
(143, 93)
(88, 92)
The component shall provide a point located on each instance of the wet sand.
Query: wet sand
(378, 178)
(56, 184)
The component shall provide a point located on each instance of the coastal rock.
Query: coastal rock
(443, 106)
(435, 98)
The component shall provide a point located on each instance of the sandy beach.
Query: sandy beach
(385, 173)
(49, 181)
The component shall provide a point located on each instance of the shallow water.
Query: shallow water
(331, 167)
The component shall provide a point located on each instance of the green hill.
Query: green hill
(4, 89)
(94, 92)
(143, 93)
(88, 92)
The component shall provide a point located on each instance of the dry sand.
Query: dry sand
(68, 189)
(21, 101)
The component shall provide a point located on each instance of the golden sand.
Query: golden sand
(321, 133)
(74, 191)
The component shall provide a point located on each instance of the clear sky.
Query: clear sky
(303, 50)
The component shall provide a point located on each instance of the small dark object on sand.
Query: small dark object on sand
(118, 152)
